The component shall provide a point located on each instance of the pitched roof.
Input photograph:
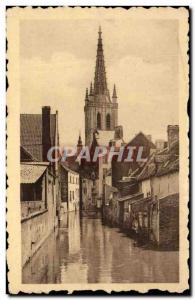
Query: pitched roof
(160, 164)
(25, 155)
(132, 197)
(142, 136)
(68, 168)
(149, 170)
(168, 167)
(30, 173)
(31, 133)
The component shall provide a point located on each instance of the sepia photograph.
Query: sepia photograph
(97, 121)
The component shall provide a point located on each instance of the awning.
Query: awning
(109, 190)
(133, 197)
(31, 173)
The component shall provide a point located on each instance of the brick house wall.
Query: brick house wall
(169, 221)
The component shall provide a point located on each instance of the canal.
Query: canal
(82, 250)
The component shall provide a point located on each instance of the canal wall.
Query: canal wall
(37, 226)
(35, 229)
(149, 221)
(165, 222)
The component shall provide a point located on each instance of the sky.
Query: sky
(57, 63)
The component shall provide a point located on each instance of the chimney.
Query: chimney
(149, 137)
(160, 144)
(172, 134)
(46, 132)
(118, 134)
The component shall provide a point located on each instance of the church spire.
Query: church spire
(100, 84)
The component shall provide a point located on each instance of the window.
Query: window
(98, 121)
(38, 191)
(27, 192)
(108, 121)
(72, 195)
(31, 192)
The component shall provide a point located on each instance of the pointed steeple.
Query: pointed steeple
(79, 143)
(114, 92)
(100, 84)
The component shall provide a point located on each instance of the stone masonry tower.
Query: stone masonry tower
(101, 112)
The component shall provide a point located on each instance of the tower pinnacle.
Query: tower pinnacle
(91, 89)
(114, 92)
(86, 96)
(79, 143)
(100, 32)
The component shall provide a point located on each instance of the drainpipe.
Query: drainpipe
(104, 195)
(158, 221)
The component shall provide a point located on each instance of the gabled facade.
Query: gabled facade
(123, 168)
(69, 189)
(39, 132)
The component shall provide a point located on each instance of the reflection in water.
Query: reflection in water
(83, 250)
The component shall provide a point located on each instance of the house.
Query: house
(133, 215)
(124, 209)
(164, 214)
(106, 140)
(123, 168)
(148, 198)
(165, 210)
(38, 206)
(87, 188)
(38, 133)
(160, 179)
(39, 179)
(88, 194)
(110, 206)
(69, 189)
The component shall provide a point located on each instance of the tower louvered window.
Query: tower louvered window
(108, 125)
(98, 121)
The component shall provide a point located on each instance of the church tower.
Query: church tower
(101, 112)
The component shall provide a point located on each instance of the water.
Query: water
(85, 251)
